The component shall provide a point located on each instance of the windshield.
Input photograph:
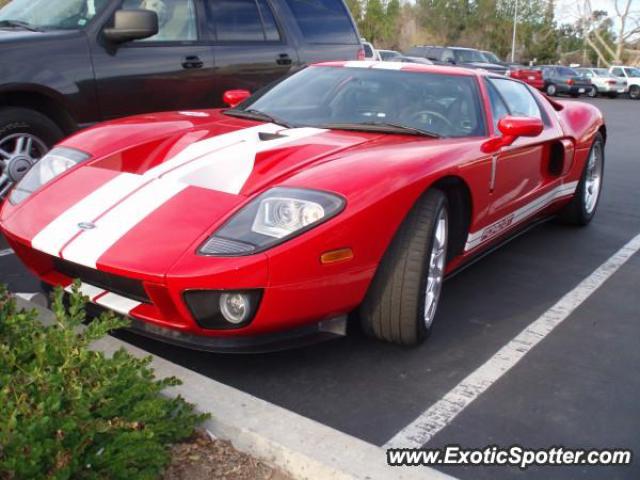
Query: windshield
(491, 57)
(325, 97)
(469, 56)
(50, 15)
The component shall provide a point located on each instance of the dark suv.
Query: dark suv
(66, 64)
(463, 57)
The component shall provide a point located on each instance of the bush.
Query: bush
(69, 412)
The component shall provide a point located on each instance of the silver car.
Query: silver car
(604, 83)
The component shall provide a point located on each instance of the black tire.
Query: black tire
(15, 120)
(593, 92)
(576, 212)
(393, 309)
(634, 92)
(551, 90)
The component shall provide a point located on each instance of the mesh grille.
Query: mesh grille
(127, 287)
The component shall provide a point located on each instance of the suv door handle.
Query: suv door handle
(284, 59)
(191, 62)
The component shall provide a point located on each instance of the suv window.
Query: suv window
(632, 72)
(324, 21)
(517, 97)
(242, 20)
(176, 19)
(618, 72)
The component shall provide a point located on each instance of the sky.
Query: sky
(566, 9)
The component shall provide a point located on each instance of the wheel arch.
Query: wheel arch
(460, 210)
(42, 103)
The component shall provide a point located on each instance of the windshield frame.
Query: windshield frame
(105, 10)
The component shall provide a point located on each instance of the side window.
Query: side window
(324, 21)
(498, 107)
(176, 19)
(518, 98)
(628, 72)
(618, 72)
(448, 56)
(242, 20)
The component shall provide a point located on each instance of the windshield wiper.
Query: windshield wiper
(19, 24)
(383, 127)
(253, 114)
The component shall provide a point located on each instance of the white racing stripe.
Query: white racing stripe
(90, 245)
(442, 413)
(54, 236)
(487, 233)
(6, 252)
(109, 300)
(117, 303)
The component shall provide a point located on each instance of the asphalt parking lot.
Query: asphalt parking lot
(579, 387)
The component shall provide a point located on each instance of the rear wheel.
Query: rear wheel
(634, 92)
(551, 90)
(593, 92)
(583, 207)
(402, 301)
(25, 136)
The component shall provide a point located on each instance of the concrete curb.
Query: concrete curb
(300, 447)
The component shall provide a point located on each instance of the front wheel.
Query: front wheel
(583, 206)
(402, 301)
(634, 92)
(551, 90)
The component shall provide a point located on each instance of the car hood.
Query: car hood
(158, 185)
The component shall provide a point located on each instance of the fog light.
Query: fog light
(235, 307)
(223, 310)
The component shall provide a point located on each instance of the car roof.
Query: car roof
(412, 67)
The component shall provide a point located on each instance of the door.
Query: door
(523, 175)
(251, 49)
(172, 70)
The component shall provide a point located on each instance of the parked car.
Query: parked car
(464, 57)
(565, 80)
(66, 65)
(405, 59)
(387, 55)
(528, 75)
(632, 77)
(604, 83)
(491, 57)
(340, 189)
(370, 52)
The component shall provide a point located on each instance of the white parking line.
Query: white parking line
(439, 415)
(5, 252)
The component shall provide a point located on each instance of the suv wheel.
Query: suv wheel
(634, 92)
(25, 136)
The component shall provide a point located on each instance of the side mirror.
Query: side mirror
(235, 97)
(513, 128)
(132, 25)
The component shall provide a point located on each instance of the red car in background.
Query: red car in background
(347, 187)
(527, 75)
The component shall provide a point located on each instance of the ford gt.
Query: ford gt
(347, 189)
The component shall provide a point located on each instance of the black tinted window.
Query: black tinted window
(324, 21)
(242, 20)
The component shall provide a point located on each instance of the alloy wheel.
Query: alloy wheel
(18, 153)
(437, 261)
(593, 180)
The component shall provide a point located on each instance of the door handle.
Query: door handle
(191, 62)
(284, 59)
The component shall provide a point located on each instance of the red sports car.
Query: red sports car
(347, 187)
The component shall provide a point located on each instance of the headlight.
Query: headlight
(52, 165)
(272, 218)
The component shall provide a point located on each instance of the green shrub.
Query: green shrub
(69, 412)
